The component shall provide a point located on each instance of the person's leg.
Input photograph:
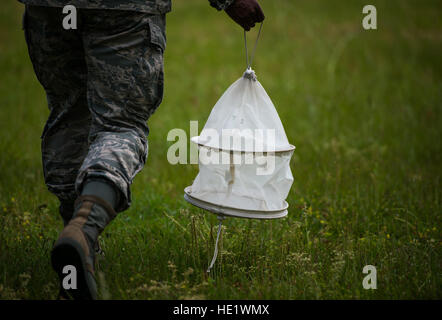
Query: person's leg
(124, 55)
(101, 189)
(58, 59)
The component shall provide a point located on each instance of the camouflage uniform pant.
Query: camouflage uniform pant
(102, 81)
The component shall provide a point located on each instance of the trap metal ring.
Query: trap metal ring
(234, 212)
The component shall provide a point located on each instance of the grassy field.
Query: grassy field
(363, 109)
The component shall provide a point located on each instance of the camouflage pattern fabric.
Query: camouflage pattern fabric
(103, 81)
(149, 6)
(221, 4)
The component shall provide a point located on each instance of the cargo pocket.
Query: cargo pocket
(157, 28)
(157, 42)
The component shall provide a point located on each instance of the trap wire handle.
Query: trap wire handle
(249, 62)
(215, 253)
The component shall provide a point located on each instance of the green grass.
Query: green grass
(363, 109)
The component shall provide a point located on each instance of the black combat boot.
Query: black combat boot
(76, 246)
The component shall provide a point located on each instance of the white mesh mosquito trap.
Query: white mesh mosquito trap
(244, 157)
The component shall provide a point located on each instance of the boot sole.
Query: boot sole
(69, 252)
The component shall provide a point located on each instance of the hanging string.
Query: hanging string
(249, 63)
(221, 218)
(215, 253)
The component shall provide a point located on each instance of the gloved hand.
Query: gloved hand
(245, 13)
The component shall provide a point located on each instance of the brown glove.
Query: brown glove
(245, 13)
